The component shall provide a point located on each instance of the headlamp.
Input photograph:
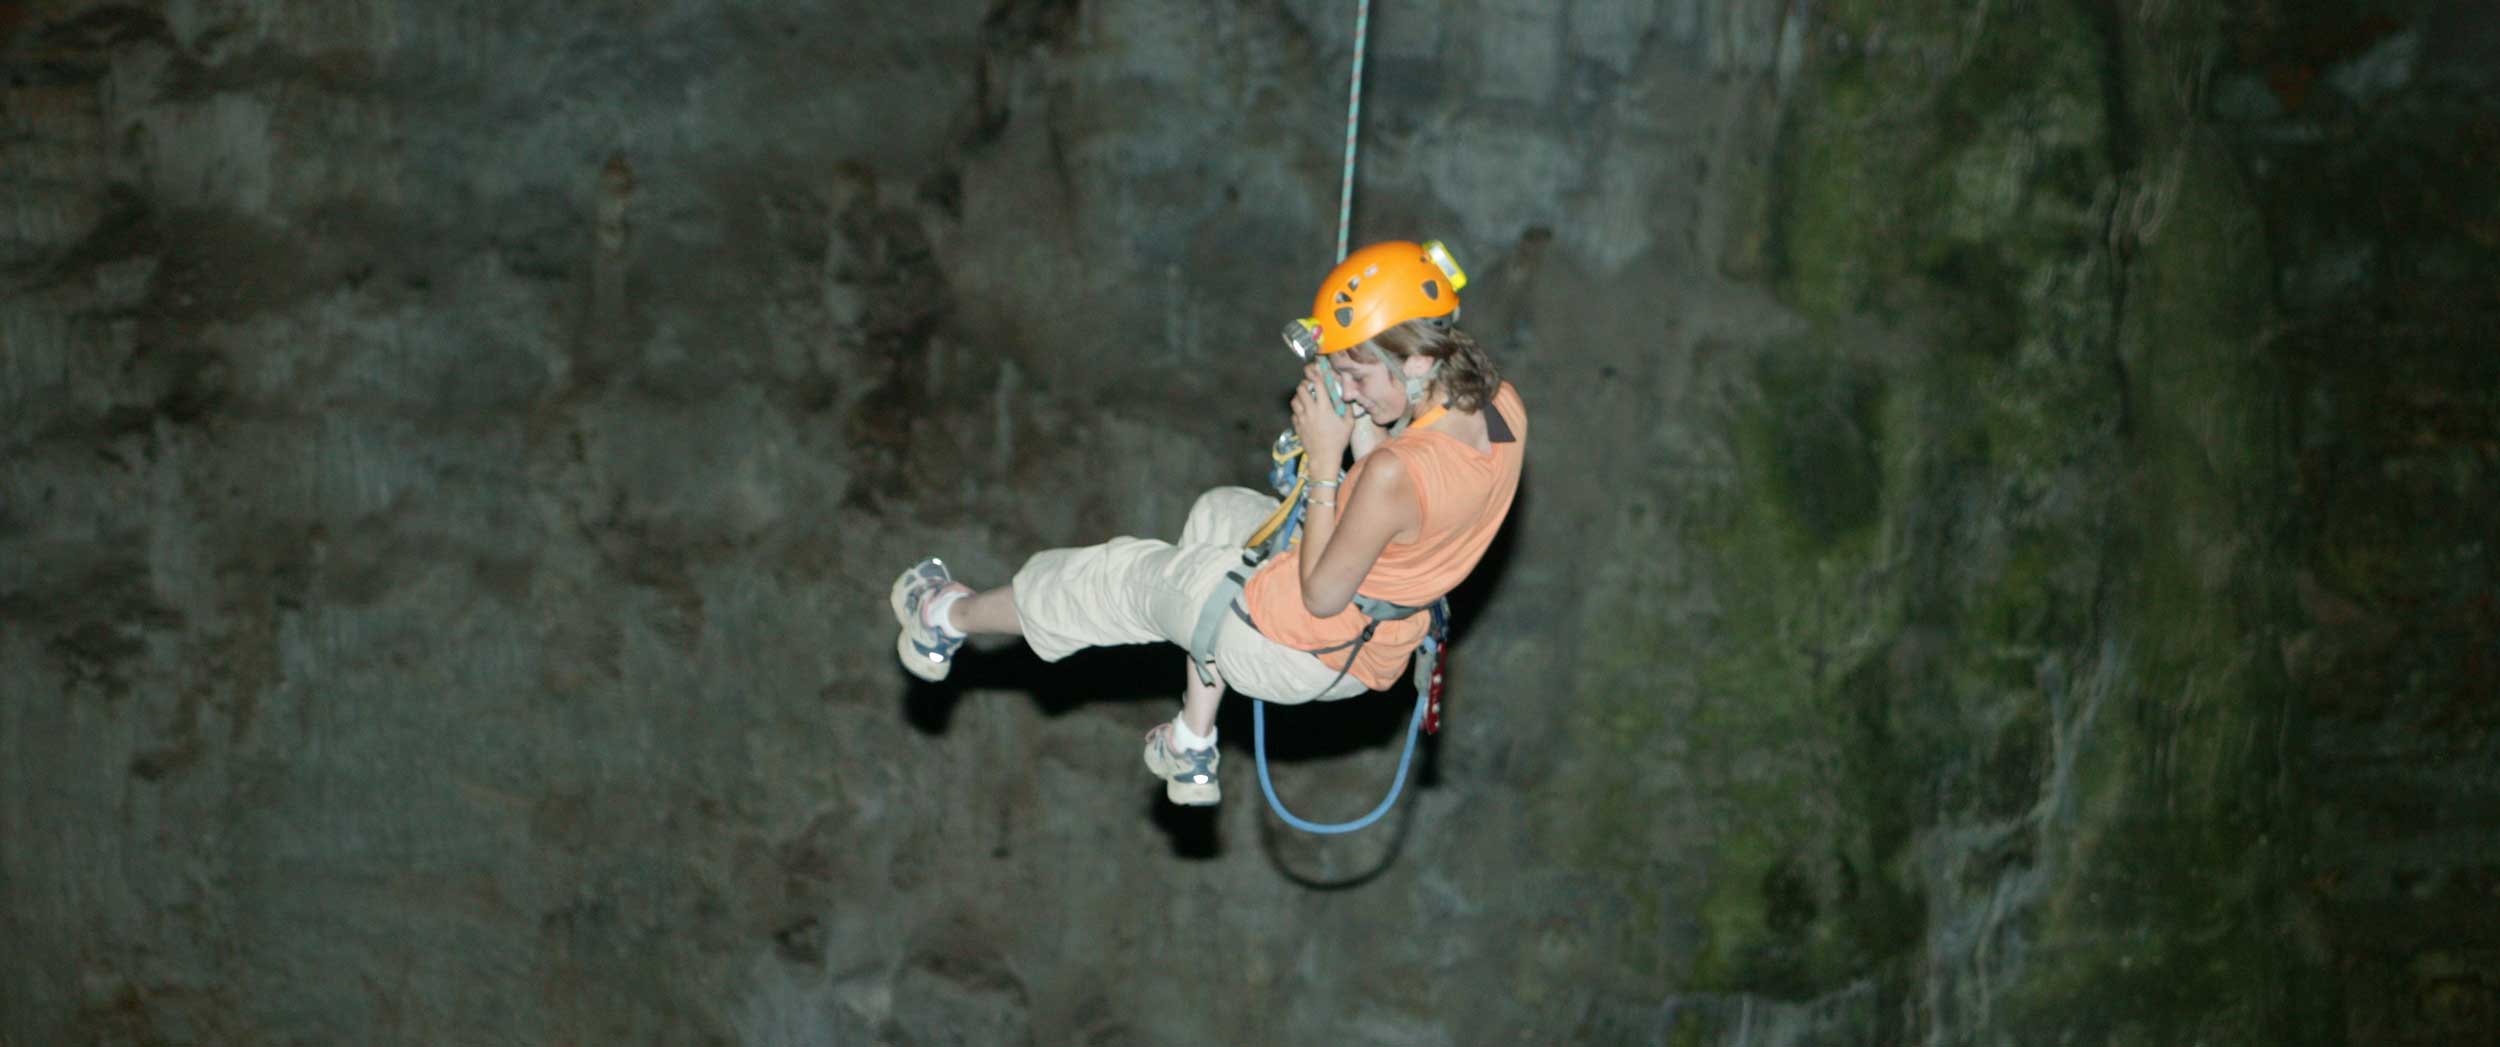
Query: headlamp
(1440, 255)
(1302, 336)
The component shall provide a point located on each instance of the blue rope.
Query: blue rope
(1258, 733)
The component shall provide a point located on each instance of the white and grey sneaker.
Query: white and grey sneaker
(926, 650)
(1188, 774)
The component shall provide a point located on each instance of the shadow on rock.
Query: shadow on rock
(1138, 673)
(1195, 832)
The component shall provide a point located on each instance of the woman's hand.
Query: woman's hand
(1368, 433)
(1324, 433)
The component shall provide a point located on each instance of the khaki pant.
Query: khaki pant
(1137, 590)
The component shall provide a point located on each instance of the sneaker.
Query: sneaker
(1188, 774)
(926, 651)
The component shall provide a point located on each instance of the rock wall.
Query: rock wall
(452, 456)
(2367, 136)
(1997, 536)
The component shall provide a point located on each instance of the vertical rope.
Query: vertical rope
(1258, 709)
(1353, 118)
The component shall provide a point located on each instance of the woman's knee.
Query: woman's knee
(1226, 516)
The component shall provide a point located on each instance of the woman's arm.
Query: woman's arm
(1343, 536)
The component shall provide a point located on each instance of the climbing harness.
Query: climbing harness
(1368, 292)
(1225, 602)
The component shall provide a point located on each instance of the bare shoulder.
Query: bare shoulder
(1386, 494)
(1384, 470)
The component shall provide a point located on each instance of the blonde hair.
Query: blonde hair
(1466, 374)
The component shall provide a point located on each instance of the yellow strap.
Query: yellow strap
(1283, 509)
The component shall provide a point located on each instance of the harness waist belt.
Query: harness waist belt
(1226, 599)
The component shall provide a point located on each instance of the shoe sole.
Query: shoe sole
(1186, 794)
(914, 662)
(1190, 795)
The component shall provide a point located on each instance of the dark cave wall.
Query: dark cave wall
(2117, 690)
(455, 453)
(2008, 522)
(2004, 558)
(2370, 135)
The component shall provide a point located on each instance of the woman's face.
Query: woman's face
(1371, 386)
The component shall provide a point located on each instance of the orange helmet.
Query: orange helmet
(1374, 289)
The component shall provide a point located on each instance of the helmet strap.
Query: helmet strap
(1416, 385)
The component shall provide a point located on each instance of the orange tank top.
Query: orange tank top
(1465, 494)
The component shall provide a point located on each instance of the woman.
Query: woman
(1403, 526)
